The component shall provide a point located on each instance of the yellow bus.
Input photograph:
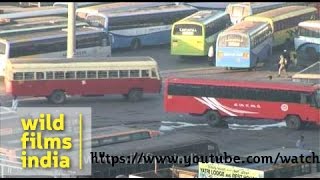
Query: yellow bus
(284, 21)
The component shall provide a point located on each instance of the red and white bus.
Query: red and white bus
(216, 99)
(56, 78)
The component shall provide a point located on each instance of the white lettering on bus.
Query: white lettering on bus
(257, 106)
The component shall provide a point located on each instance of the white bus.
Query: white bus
(90, 42)
(83, 12)
(307, 43)
(136, 27)
(238, 11)
(38, 24)
(35, 12)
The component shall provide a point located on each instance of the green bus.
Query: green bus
(193, 35)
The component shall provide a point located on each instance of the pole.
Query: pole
(71, 30)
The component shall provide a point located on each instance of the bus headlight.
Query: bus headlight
(220, 54)
(245, 55)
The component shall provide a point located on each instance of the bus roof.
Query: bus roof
(246, 27)
(156, 144)
(311, 24)
(41, 19)
(210, 5)
(83, 4)
(146, 10)
(29, 35)
(257, 4)
(282, 13)
(247, 84)
(205, 16)
(34, 12)
(92, 63)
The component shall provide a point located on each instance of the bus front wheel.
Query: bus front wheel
(293, 122)
(214, 118)
(57, 97)
(135, 95)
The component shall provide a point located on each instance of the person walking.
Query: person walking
(286, 55)
(14, 103)
(281, 65)
(300, 143)
(211, 58)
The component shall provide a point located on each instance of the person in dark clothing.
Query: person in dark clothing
(286, 55)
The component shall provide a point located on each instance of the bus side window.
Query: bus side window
(59, 75)
(113, 74)
(102, 74)
(92, 74)
(81, 74)
(140, 135)
(134, 73)
(124, 73)
(153, 73)
(39, 75)
(145, 73)
(18, 76)
(70, 75)
(49, 75)
(29, 76)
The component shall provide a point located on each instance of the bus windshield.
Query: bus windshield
(309, 32)
(233, 40)
(96, 21)
(187, 29)
(2, 48)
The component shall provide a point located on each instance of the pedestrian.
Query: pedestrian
(14, 103)
(286, 55)
(211, 58)
(300, 143)
(281, 65)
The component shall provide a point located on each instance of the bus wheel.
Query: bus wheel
(213, 118)
(135, 44)
(135, 95)
(293, 122)
(57, 97)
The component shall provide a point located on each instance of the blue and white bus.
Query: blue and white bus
(307, 43)
(138, 27)
(244, 45)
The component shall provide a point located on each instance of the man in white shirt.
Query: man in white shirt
(211, 56)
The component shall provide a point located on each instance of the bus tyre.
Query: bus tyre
(293, 122)
(135, 44)
(213, 118)
(57, 97)
(135, 95)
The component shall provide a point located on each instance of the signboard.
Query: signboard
(214, 170)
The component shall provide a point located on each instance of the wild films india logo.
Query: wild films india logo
(53, 142)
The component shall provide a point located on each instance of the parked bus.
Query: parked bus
(38, 24)
(238, 11)
(83, 12)
(105, 136)
(307, 43)
(244, 45)
(55, 78)
(178, 144)
(193, 35)
(35, 12)
(137, 27)
(90, 42)
(284, 22)
(297, 104)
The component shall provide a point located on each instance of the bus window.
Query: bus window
(92, 74)
(49, 75)
(2, 48)
(81, 74)
(140, 135)
(124, 73)
(318, 98)
(29, 76)
(123, 138)
(113, 74)
(70, 75)
(106, 141)
(59, 75)
(153, 73)
(145, 73)
(134, 73)
(39, 75)
(18, 76)
(102, 74)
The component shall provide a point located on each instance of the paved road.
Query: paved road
(242, 136)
